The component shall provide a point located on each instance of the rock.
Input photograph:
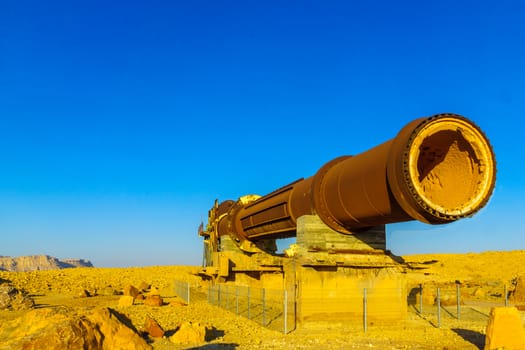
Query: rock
(518, 294)
(131, 291)
(447, 300)
(48, 329)
(189, 333)
(83, 294)
(504, 329)
(153, 328)
(178, 303)
(126, 300)
(450, 299)
(153, 300)
(118, 331)
(143, 286)
(429, 296)
(108, 290)
(479, 293)
(14, 299)
(62, 328)
(154, 291)
(140, 297)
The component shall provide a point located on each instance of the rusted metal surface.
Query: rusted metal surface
(436, 170)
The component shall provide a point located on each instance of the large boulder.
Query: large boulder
(154, 300)
(152, 327)
(154, 291)
(126, 300)
(61, 328)
(14, 299)
(189, 333)
(504, 329)
(118, 330)
(131, 291)
(143, 286)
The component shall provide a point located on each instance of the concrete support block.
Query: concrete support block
(314, 235)
(504, 329)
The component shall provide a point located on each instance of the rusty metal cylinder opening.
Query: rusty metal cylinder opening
(448, 168)
(436, 170)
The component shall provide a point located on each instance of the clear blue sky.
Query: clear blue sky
(122, 121)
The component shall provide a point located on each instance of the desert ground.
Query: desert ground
(67, 300)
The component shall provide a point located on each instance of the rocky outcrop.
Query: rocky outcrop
(518, 294)
(14, 299)
(39, 262)
(61, 328)
(66, 263)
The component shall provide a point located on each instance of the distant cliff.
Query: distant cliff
(39, 262)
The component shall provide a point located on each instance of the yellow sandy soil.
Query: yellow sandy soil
(485, 271)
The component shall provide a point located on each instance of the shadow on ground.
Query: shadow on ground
(213, 333)
(229, 346)
(473, 337)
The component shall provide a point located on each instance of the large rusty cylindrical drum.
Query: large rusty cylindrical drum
(436, 170)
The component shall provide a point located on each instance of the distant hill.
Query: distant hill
(39, 262)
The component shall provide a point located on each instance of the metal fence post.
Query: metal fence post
(506, 296)
(438, 309)
(263, 295)
(237, 300)
(227, 297)
(364, 310)
(458, 301)
(421, 299)
(285, 311)
(249, 303)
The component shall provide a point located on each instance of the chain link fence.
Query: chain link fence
(445, 305)
(272, 308)
(453, 303)
(182, 290)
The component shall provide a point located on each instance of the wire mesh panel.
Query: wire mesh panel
(456, 302)
(364, 308)
(271, 308)
(182, 290)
